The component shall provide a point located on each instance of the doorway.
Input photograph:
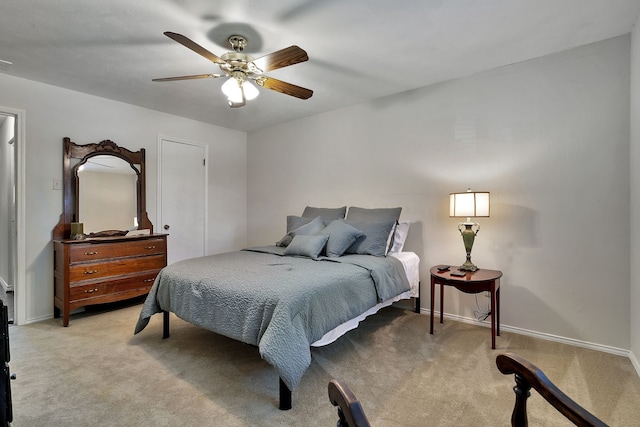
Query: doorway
(7, 210)
(182, 197)
(12, 262)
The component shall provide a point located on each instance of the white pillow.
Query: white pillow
(399, 236)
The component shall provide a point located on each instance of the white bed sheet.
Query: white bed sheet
(411, 263)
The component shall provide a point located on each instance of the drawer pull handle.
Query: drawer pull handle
(91, 253)
(90, 291)
(148, 280)
(90, 271)
(149, 247)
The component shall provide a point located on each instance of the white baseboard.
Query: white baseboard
(549, 337)
(634, 362)
(50, 316)
(5, 285)
(38, 319)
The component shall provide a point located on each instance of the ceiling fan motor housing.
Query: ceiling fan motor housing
(238, 43)
(236, 61)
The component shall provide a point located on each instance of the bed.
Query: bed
(314, 285)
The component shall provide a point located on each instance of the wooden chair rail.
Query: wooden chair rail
(527, 375)
(350, 412)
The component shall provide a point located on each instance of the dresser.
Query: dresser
(105, 269)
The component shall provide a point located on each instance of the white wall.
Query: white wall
(548, 137)
(635, 193)
(53, 113)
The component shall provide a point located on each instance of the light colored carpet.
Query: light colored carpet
(97, 373)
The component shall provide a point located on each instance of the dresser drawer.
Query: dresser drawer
(97, 251)
(102, 269)
(142, 282)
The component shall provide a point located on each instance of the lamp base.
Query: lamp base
(468, 266)
(468, 236)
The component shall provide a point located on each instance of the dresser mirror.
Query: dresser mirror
(106, 194)
(104, 189)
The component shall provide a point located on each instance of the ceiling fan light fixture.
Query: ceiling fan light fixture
(232, 89)
(237, 90)
(250, 91)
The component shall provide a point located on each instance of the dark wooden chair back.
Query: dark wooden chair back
(350, 412)
(527, 375)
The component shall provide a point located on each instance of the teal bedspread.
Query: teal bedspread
(279, 303)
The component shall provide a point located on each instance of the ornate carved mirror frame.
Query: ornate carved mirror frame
(70, 181)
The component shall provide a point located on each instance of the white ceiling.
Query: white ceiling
(359, 50)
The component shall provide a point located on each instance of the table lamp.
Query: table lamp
(469, 204)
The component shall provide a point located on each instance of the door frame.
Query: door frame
(205, 196)
(20, 269)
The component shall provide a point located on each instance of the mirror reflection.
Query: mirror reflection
(106, 197)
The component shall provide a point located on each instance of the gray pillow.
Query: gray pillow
(294, 222)
(373, 215)
(327, 214)
(312, 227)
(307, 245)
(375, 238)
(341, 237)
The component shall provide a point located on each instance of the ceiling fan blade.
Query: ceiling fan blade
(281, 58)
(195, 76)
(284, 87)
(194, 47)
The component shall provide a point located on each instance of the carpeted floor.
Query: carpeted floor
(97, 373)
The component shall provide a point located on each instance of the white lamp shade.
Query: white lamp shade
(231, 88)
(250, 91)
(469, 204)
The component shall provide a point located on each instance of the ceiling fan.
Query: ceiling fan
(241, 69)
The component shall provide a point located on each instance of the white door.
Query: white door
(182, 190)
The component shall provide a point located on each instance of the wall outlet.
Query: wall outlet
(56, 184)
